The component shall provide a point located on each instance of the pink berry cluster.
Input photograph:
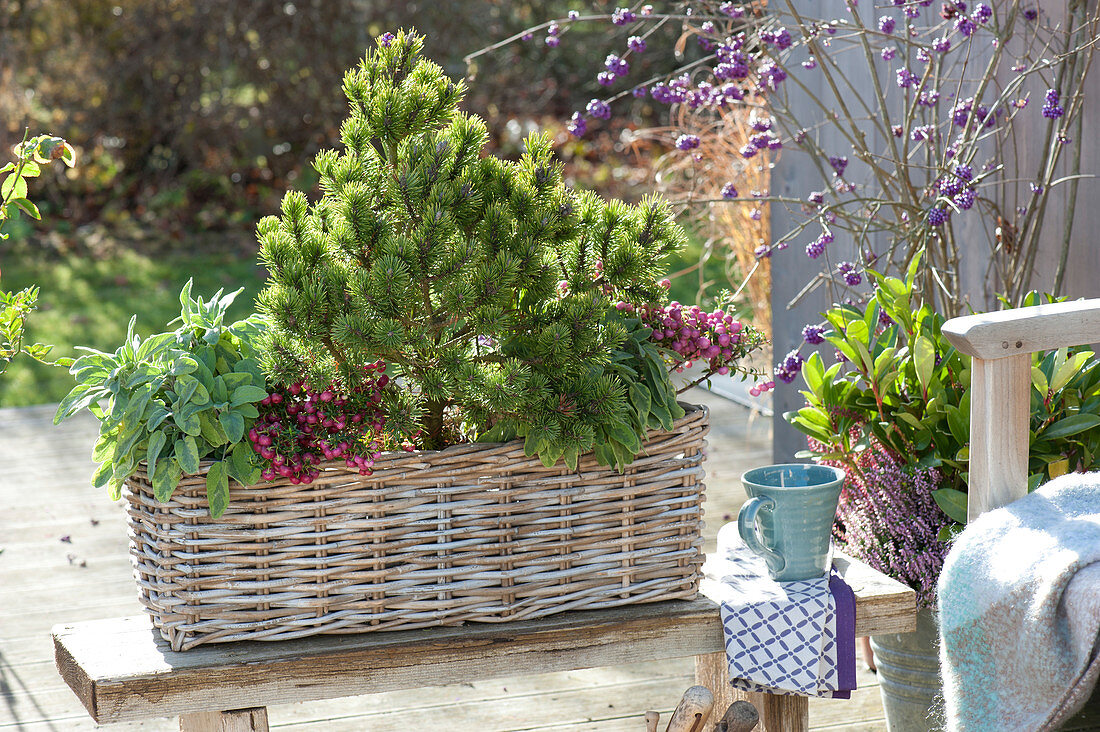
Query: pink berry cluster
(300, 426)
(761, 387)
(694, 334)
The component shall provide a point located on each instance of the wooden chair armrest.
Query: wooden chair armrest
(1025, 330)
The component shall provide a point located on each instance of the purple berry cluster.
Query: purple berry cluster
(955, 185)
(780, 38)
(687, 142)
(693, 334)
(578, 125)
(789, 368)
(906, 78)
(961, 112)
(1051, 108)
(847, 270)
(817, 247)
(299, 427)
(814, 334)
(733, 10)
(599, 108)
(616, 65)
(965, 26)
(938, 215)
(622, 16)
(771, 75)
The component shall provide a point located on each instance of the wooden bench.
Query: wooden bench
(122, 670)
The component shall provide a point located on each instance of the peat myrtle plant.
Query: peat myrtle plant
(174, 400)
(502, 303)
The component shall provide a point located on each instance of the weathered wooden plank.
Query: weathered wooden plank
(578, 709)
(121, 670)
(474, 705)
(573, 701)
(87, 606)
(235, 720)
(874, 725)
(115, 590)
(577, 702)
(111, 572)
(1018, 331)
(881, 602)
(563, 698)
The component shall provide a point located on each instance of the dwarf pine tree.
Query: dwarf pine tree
(485, 285)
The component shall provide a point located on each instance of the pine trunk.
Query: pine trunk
(433, 426)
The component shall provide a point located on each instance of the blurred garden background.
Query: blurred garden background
(192, 118)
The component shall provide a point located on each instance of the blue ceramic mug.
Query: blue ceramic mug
(788, 518)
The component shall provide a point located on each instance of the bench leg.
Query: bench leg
(777, 713)
(234, 720)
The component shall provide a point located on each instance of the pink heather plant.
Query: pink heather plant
(887, 518)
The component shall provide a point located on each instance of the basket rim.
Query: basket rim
(691, 411)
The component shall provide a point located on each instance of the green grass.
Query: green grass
(89, 302)
(685, 288)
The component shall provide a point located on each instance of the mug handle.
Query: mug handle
(746, 527)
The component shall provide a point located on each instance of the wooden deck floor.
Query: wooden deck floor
(63, 558)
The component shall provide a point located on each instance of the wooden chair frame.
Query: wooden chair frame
(1001, 345)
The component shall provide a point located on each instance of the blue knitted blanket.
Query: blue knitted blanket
(1019, 601)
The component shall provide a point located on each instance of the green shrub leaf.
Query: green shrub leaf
(167, 479)
(217, 488)
(924, 359)
(152, 452)
(952, 502)
(187, 453)
(233, 424)
(1072, 425)
(247, 393)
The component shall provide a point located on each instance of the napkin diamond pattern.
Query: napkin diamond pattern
(781, 637)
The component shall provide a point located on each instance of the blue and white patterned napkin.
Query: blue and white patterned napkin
(782, 637)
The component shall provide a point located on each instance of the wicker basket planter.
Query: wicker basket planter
(470, 533)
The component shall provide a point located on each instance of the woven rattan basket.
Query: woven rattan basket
(474, 532)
